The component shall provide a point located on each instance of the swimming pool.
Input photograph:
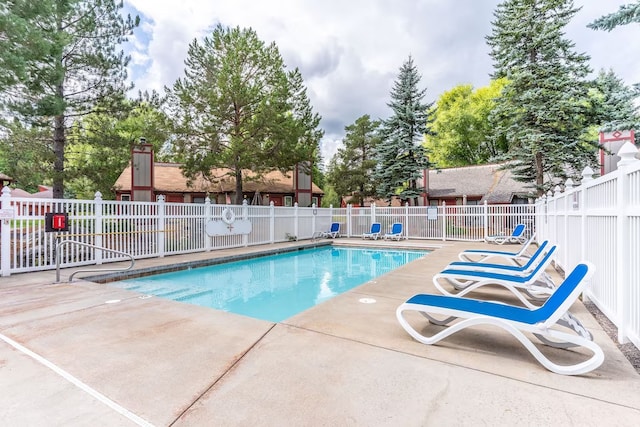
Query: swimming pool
(274, 287)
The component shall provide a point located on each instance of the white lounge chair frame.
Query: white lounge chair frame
(516, 236)
(536, 284)
(374, 232)
(515, 320)
(333, 232)
(481, 255)
(395, 233)
(525, 268)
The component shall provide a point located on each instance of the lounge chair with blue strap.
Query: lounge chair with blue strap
(525, 268)
(542, 322)
(516, 236)
(333, 231)
(395, 233)
(374, 233)
(482, 255)
(535, 283)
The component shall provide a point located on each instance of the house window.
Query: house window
(518, 200)
(433, 202)
(125, 197)
(198, 200)
(288, 200)
(472, 202)
(314, 200)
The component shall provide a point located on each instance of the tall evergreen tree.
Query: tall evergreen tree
(62, 62)
(351, 171)
(614, 103)
(237, 107)
(626, 14)
(401, 157)
(543, 108)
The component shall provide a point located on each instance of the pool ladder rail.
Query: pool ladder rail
(89, 270)
(317, 235)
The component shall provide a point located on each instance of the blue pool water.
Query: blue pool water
(274, 287)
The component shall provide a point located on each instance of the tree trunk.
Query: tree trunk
(239, 197)
(539, 174)
(58, 151)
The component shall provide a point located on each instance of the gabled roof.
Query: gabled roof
(19, 192)
(168, 178)
(487, 182)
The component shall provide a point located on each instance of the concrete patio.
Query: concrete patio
(81, 353)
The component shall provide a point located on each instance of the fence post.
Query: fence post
(313, 219)
(245, 216)
(272, 222)
(405, 229)
(97, 226)
(349, 221)
(568, 208)
(444, 221)
(587, 176)
(627, 155)
(373, 214)
(5, 232)
(485, 220)
(296, 218)
(207, 217)
(161, 225)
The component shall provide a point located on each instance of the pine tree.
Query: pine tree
(626, 14)
(237, 107)
(542, 111)
(401, 157)
(614, 103)
(350, 171)
(62, 63)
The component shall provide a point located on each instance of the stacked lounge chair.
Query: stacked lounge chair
(551, 322)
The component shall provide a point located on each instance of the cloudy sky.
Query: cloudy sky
(350, 51)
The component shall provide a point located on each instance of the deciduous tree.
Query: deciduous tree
(462, 134)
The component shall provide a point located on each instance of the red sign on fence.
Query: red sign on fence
(56, 222)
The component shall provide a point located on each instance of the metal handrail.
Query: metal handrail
(63, 242)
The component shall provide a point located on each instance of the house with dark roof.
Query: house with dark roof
(471, 185)
(467, 185)
(168, 180)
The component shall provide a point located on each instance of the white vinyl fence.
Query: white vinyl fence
(158, 229)
(599, 221)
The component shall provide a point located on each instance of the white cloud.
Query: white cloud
(349, 52)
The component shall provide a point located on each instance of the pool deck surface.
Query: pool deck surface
(72, 356)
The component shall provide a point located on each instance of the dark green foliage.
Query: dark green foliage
(400, 156)
(613, 104)
(62, 63)
(27, 156)
(350, 171)
(99, 146)
(238, 108)
(543, 110)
